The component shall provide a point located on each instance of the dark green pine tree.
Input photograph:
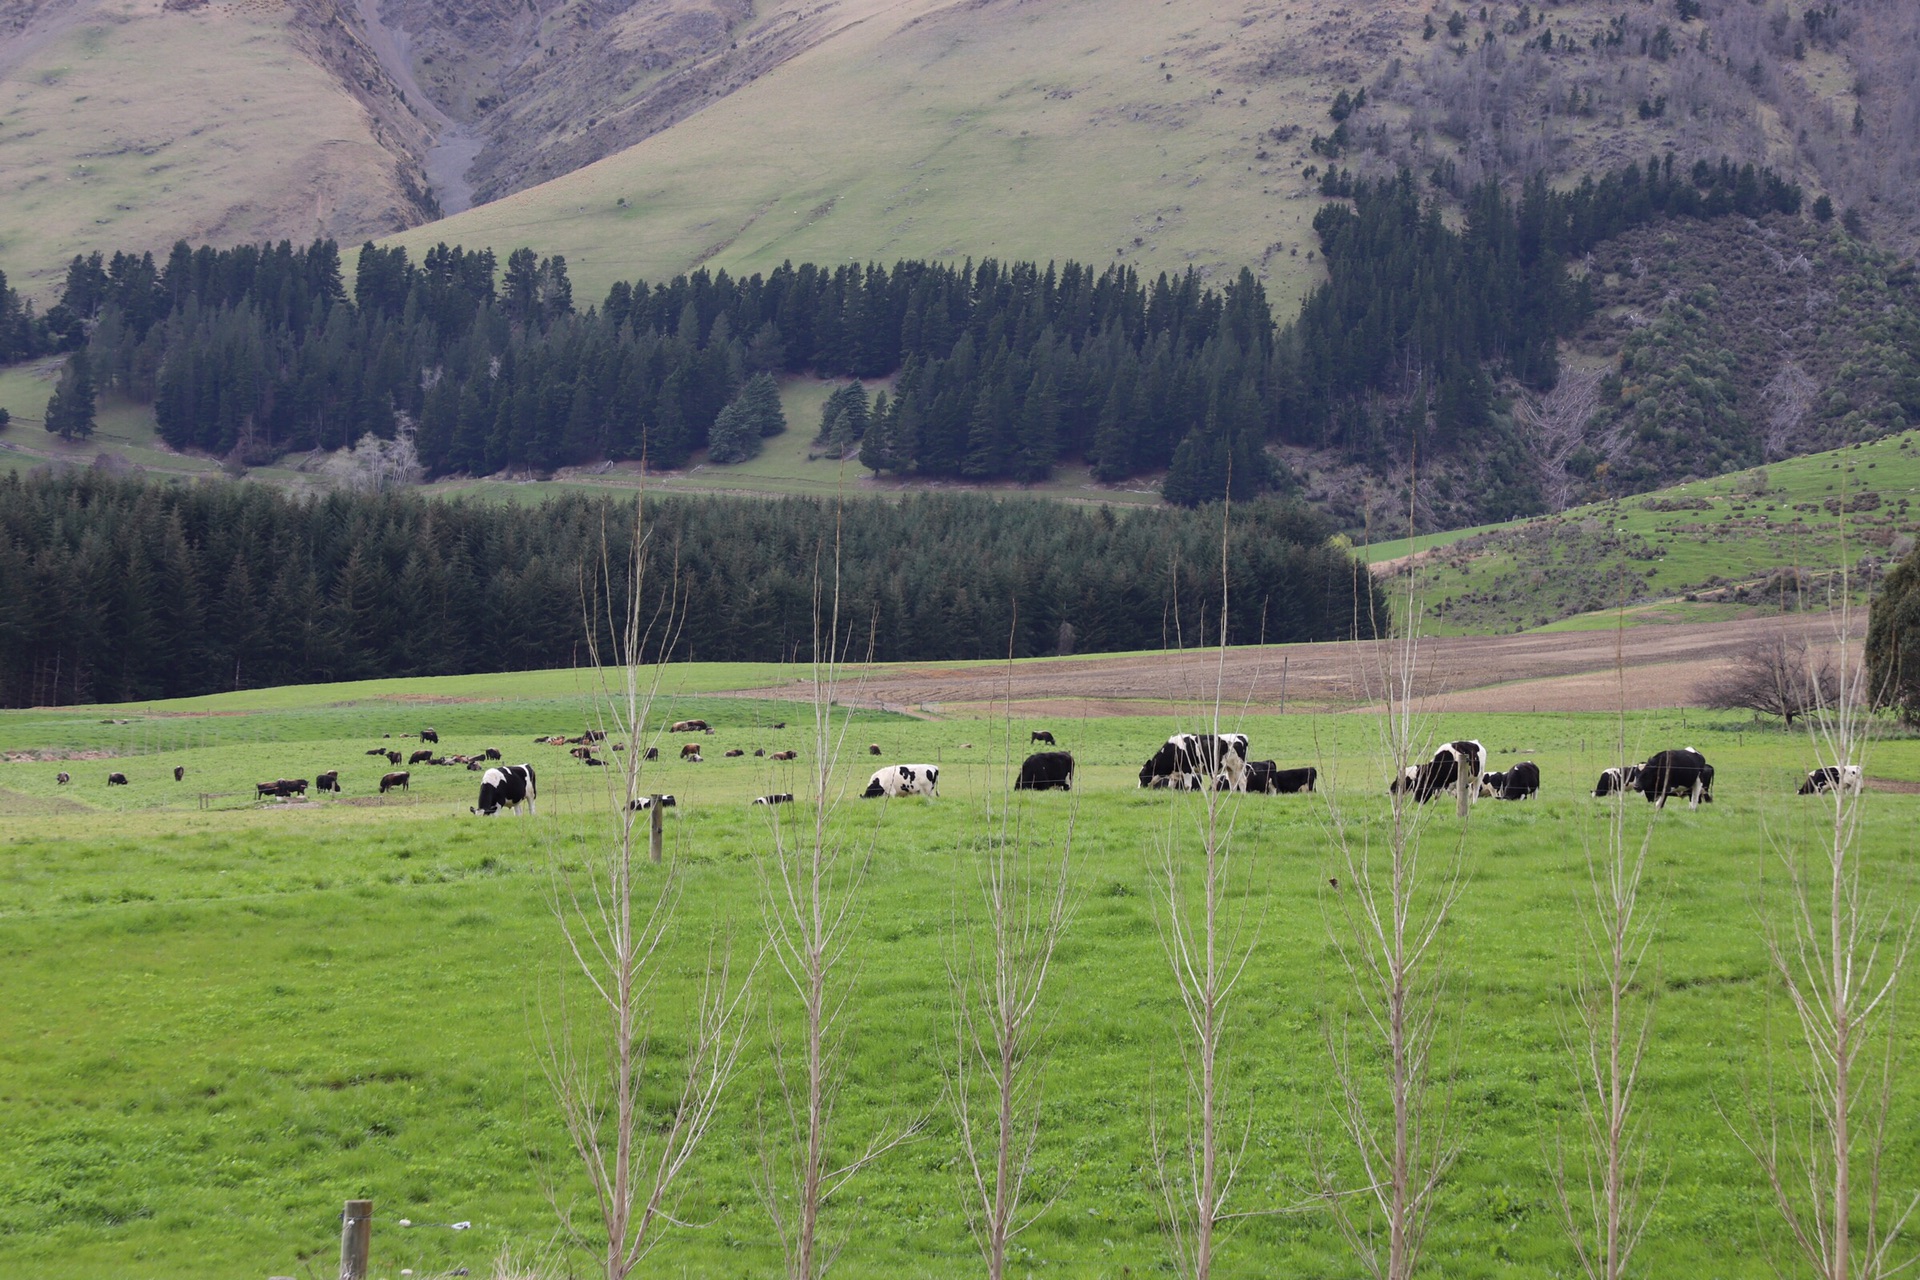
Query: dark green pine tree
(761, 395)
(70, 409)
(1039, 437)
(876, 447)
(736, 435)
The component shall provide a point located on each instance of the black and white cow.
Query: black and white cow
(1617, 779)
(1677, 773)
(1521, 782)
(1845, 777)
(506, 787)
(1046, 771)
(646, 802)
(1196, 757)
(904, 780)
(781, 797)
(1269, 779)
(1450, 764)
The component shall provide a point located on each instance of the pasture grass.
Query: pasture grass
(220, 1024)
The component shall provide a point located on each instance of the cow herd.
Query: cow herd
(1184, 762)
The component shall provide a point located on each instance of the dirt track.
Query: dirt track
(1559, 671)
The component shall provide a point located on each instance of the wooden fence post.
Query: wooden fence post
(356, 1239)
(1462, 792)
(656, 827)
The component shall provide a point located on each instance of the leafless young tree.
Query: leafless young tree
(1208, 941)
(1557, 422)
(1840, 957)
(997, 973)
(1776, 675)
(1788, 398)
(1606, 1207)
(811, 875)
(615, 913)
(1392, 897)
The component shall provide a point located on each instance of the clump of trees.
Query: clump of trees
(1893, 640)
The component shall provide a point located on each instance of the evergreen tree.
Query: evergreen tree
(761, 396)
(71, 407)
(876, 447)
(736, 435)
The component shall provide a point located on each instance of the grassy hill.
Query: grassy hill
(1760, 540)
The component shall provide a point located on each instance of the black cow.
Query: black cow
(1268, 778)
(1833, 778)
(491, 753)
(393, 757)
(388, 781)
(377, 751)
(1046, 771)
(873, 748)
(179, 772)
(284, 788)
(506, 788)
(735, 751)
(1677, 773)
(116, 779)
(1041, 735)
(653, 753)
(760, 751)
(422, 756)
(782, 797)
(328, 781)
(63, 778)
(428, 735)
(646, 802)
(780, 724)
(1617, 779)
(1192, 757)
(1521, 782)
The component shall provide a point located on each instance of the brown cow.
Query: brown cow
(393, 757)
(689, 749)
(419, 757)
(784, 755)
(690, 726)
(63, 778)
(581, 753)
(392, 780)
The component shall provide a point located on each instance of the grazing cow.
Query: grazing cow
(783, 797)
(491, 753)
(1618, 779)
(646, 802)
(904, 780)
(393, 757)
(116, 779)
(596, 735)
(1041, 735)
(388, 781)
(1677, 773)
(1450, 764)
(63, 778)
(653, 753)
(784, 755)
(377, 751)
(428, 735)
(328, 781)
(505, 788)
(284, 788)
(1833, 778)
(179, 772)
(1522, 782)
(873, 748)
(1046, 771)
(1269, 779)
(418, 757)
(781, 725)
(690, 726)
(689, 750)
(1176, 782)
(1198, 756)
(736, 751)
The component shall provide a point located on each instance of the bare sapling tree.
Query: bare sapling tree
(1603, 1199)
(997, 972)
(811, 874)
(1775, 675)
(1391, 899)
(1840, 957)
(1208, 940)
(616, 912)
(1558, 423)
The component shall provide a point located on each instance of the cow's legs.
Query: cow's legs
(1694, 801)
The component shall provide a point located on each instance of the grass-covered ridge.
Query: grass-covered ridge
(221, 1023)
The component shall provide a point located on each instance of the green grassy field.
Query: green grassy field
(220, 1023)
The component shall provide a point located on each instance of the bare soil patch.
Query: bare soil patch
(1566, 671)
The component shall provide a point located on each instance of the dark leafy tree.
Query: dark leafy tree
(70, 410)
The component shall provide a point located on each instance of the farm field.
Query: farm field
(223, 1021)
